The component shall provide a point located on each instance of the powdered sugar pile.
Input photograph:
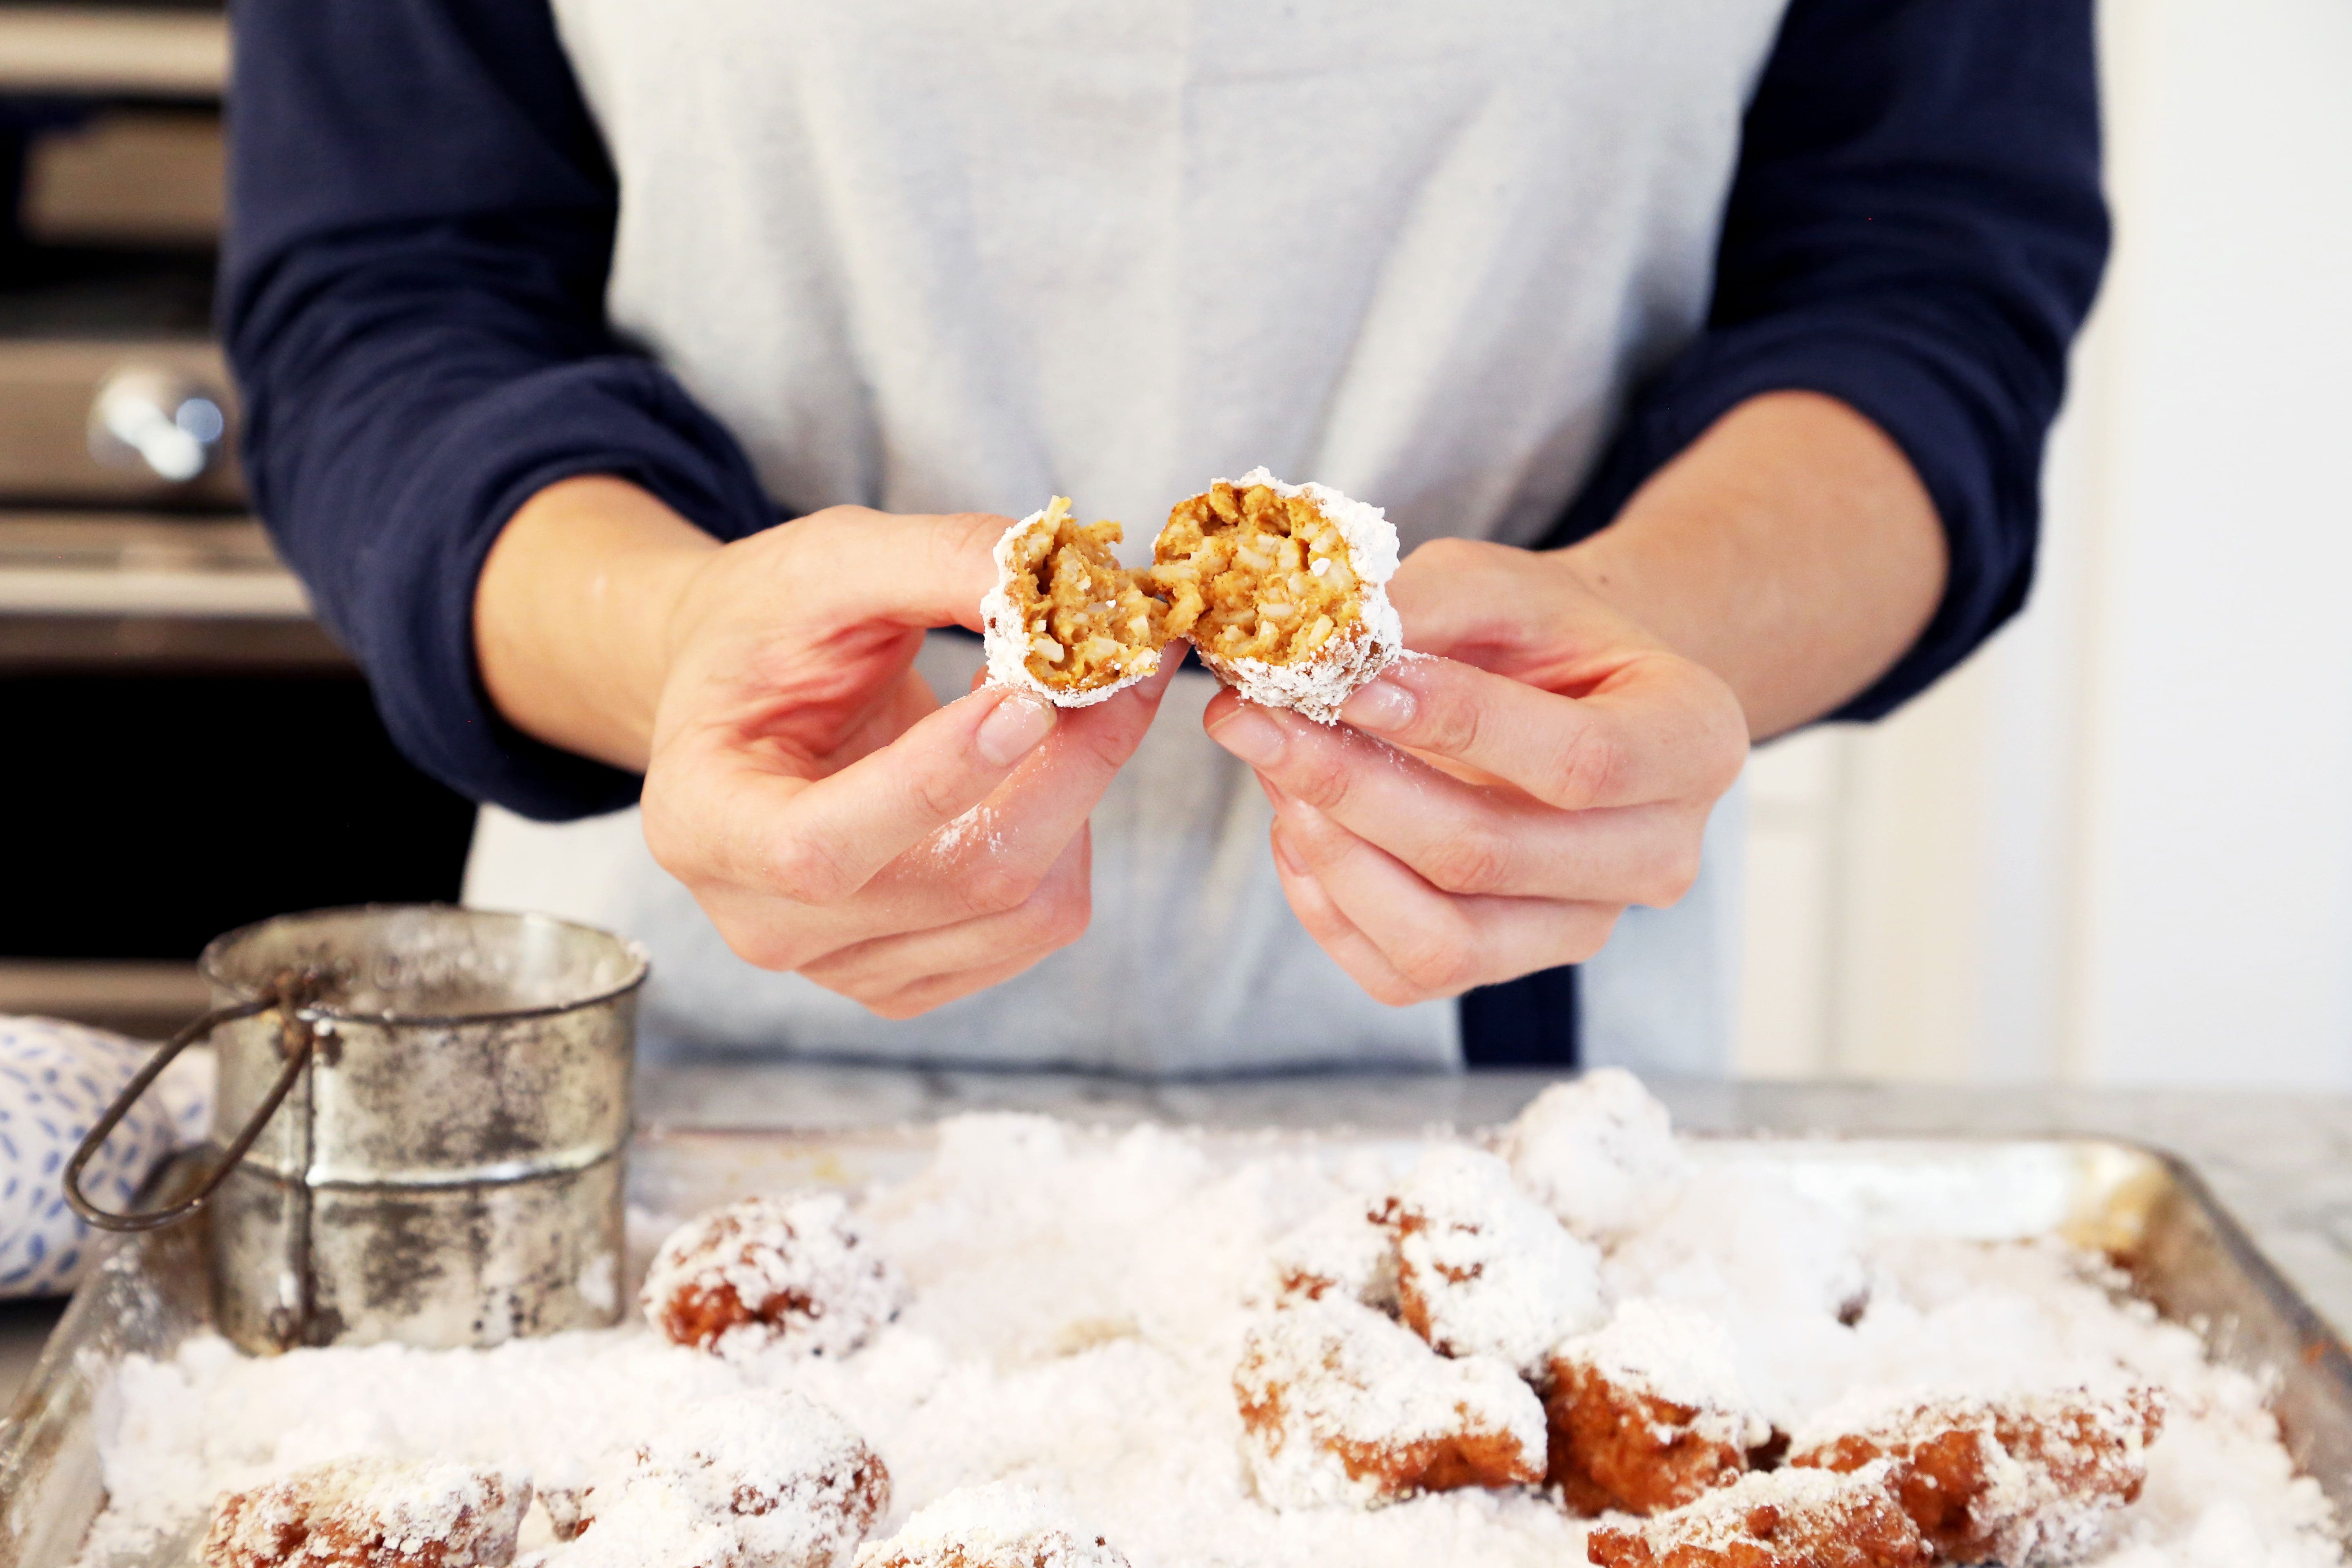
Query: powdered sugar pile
(1004, 1525)
(1079, 1304)
(1599, 1153)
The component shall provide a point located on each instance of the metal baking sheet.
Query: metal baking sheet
(2142, 1207)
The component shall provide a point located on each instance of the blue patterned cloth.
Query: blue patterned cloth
(56, 1079)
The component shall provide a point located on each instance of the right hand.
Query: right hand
(826, 811)
(828, 814)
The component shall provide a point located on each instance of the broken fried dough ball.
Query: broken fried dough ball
(1786, 1519)
(1282, 590)
(1066, 618)
(1000, 1525)
(764, 1479)
(1340, 1405)
(2023, 1481)
(1648, 1414)
(795, 1270)
(372, 1513)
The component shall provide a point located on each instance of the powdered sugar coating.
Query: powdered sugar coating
(1318, 685)
(795, 1270)
(1647, 1413)
(2026, 1480)
(1341, 1405)
(756, 1479)
(1077, 1311)
(1599, 1152)
(1783, 1272)
(1786, 1518)
(372, 1513)
(1677, 1354)
(1349, 1249)
(1005, 638)
(1003, 1525)
(1482, 1269)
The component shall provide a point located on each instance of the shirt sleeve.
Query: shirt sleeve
(1916, 228)
(420, 224)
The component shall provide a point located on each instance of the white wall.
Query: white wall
(2117, 847)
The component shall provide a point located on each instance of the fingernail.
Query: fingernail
(1014, 729)
(1253, 737)
(1382, 706)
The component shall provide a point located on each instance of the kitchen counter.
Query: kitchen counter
(2280, 1163)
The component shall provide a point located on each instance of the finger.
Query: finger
(941, 566)
(991, 859)
(1052, 917)
(923, 996)
(1657, 728)
(726, 818)
(1338, 936)
(1441, 944)
(1463, 838)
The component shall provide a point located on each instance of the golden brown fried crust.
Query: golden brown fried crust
(1942, 1457)
(1612, 1447)
(1090, 622)
(1872, 1532)
(698, 1314)
(331, 1537)
(1447, 1462)
(1252, 573)
(567, 1509)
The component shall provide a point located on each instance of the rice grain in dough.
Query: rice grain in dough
(1066, 620)
(1282, 590)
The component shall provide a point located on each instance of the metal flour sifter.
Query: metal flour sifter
(420, 1127)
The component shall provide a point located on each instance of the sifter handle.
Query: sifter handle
(285, 993)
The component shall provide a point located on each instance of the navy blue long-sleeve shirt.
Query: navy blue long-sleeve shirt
(422, 225)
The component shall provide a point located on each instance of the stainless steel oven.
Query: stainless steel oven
(182, 748)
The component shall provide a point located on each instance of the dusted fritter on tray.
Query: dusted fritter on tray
(1282, 590)
(1648, 1413)
(1066, 620)
(761, 1479)
(2024, 1479)
(790, 1270)
(1787, 1519)
(372, 1513)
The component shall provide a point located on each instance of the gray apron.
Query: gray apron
(930, 257)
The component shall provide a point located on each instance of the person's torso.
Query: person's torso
(928, 256)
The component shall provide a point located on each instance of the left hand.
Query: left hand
(1491, 810)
